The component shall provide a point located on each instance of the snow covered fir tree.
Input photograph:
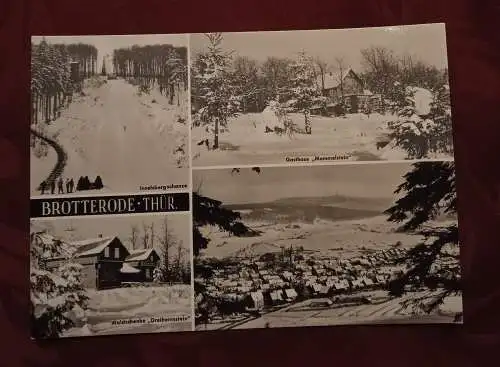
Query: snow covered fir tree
(212, 89)
(58, 299)
(429, 192)
(302, 92)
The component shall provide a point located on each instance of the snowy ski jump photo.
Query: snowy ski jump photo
(314, 245)
(115, 276)
(320, 96)
(109, 114)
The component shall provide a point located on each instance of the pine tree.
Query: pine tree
(430, 191)
(164, 66)
(250, 86)
(421, 135)
(58, 299)
(103, 69)
(302, 89)
(212, 88)
(208, 211)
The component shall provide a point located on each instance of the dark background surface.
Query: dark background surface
(474, 62)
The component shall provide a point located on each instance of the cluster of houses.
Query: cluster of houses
(106, 262)
(259, 284)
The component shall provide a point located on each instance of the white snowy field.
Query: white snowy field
(389, 312)
(106, 306)
(128, 139)
(41, 167)
(245, 140)
(343, 238)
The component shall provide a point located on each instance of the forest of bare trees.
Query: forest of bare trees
(382, 68)
(164, 66)
(174, 264)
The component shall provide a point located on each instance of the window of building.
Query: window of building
(117, 253)
(106, 252)
(148, 273)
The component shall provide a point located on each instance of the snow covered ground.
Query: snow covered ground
(390, 311)
(40, 167)
(106, 306)
(451, 305)
(245, 141)
(128, 139)
(343, 238)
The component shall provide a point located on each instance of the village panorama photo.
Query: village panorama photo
(109, 114)
(113, 275)
(326, 245)
(318, 96)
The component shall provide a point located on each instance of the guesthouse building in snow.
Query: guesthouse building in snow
(106, 262)
(348, 89)
(144, 261)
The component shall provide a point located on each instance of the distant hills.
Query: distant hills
(307, 209)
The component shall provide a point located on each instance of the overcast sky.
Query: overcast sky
(90, 227)
(358, 180)
(106, 44)
(427, 42)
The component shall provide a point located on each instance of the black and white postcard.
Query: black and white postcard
(326, 245)
(242, 180)
(109, 114)
(319, 96)
(113, 275)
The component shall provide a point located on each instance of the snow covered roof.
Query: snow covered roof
(128, 269)
(276, 296)
(257, 296)
(291, 293)
(316, 287)
(92, 246)
(332, 80)
(139, 254)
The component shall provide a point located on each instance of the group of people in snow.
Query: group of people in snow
(51, 186)
(68, 186)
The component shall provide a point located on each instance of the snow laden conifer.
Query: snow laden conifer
(428, 192)
(50, 80)
(211, 212)
(215, 94)
(423, 124)
(302, 90)
(58, 299)
(423, 128)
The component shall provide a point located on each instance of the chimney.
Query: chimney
(99, 235)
